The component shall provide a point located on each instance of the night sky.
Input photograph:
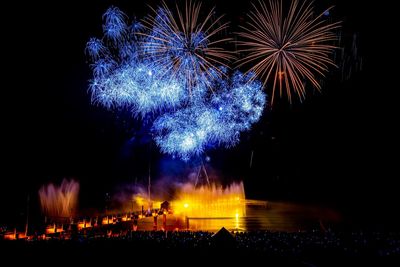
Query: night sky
(335, 148)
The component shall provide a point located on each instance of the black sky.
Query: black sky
(336, 148)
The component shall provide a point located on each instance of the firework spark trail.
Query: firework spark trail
(215, 121)
(122, 77)
(165, 67)
(288, 50)
(114, 26)
(187, 45)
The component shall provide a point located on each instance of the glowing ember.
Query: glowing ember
(84, 224)
(210, 201)
(108, 220)
(53, 228)
(59, 201)
(10, 235)
(125, 218)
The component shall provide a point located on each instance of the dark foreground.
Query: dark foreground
(187, 248)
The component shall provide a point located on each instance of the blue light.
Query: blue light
(189, 131)
(114, 26)
(188, 117)
(95, 48)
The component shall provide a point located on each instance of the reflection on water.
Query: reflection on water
(214, 224)
(276, 216)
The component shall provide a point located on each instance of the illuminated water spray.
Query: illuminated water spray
(210, 201)
(59, 201)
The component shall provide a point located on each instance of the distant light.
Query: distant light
(150, 73)
(326, 13)
(186, 205)
(208, 159)
(220, 108)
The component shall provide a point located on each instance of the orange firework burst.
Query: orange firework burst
(288, 50)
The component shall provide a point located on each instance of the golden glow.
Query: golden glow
(108, 220)
(237, 220)
(52, 229)
(207, 207)
(22, 236)
(81, 225)
(141, 200)
(84, 224)
(210, 201)
(10, 236)
(126, 218)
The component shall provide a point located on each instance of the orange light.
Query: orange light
(50, 230)
(210, 201)
(10, 236)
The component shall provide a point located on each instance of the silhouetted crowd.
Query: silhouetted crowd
(269, 242)
(299, 243)
(327, 248)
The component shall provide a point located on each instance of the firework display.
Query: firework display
(174, 70)
(288, 50)
(217, 120)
